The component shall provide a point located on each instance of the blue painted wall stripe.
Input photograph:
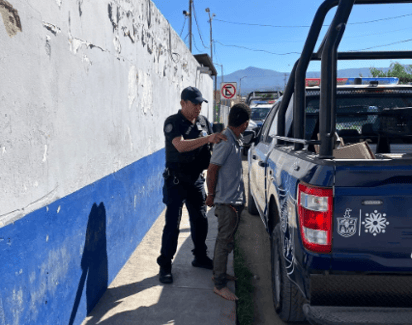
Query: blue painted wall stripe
(56, 262)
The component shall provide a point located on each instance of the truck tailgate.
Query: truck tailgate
(372, 223)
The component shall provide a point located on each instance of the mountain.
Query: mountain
(265, 79)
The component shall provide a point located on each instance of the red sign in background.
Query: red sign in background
(228, 91)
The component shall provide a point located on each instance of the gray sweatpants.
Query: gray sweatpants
(228, 221)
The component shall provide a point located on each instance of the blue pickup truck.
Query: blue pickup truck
(330, 175)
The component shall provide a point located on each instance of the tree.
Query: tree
(404, 73)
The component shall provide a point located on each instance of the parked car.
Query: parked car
(268, 97)
(259, 113)
(257, 118)
(260, 103)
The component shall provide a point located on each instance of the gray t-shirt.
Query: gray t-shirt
(230, 188)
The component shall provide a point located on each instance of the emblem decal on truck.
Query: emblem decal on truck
(375, 223)
(347, 224)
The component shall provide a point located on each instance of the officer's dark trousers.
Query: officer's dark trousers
(174, 195)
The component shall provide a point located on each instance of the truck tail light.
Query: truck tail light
(315, 217)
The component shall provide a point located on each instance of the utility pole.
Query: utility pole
(215, 101)
(211, 39)
(240, 87)
(211, 58)
(190, 23)
(218, 116)
(221, 67)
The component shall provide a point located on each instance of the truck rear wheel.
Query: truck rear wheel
(251, 205)
(287, 299)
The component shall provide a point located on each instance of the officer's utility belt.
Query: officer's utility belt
(167, 174)
(177, 175)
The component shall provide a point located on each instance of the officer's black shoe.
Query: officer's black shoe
(165, 275)
(203, 261)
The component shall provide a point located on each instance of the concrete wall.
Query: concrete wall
(85, 87)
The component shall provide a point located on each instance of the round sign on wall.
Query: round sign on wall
(228, 90)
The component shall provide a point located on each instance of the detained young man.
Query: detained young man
(226, 191)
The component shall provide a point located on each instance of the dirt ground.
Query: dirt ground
(255, 243)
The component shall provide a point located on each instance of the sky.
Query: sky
(271, 34)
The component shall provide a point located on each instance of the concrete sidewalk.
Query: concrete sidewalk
(137, 297)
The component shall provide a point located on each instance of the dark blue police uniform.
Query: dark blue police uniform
(184, 183)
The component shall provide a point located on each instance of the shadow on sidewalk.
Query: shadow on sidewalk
(113, 298)
(144, 300)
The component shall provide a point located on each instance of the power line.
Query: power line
(184, 40)
(381, 19)
(257, 50)
(288, 53)
(261, 25)
(184, 23)
(388, 32)
(307, 26)
(194, 42)
(170, 49)
(372, 47)
(260, 50)
(304, 26)
(348, 37)
(198, 29)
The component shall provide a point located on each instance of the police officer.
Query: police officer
(188, 140)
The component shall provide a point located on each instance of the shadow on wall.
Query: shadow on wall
(94, 261)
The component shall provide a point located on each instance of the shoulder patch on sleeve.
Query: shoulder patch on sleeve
(168, 128)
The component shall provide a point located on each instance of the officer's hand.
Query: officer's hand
(217, 137)
(210, 200)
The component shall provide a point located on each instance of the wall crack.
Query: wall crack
(12, 216)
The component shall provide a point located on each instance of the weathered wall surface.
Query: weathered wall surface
(79, 81)
(85, 87)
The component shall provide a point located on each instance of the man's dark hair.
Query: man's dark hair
(239, 114)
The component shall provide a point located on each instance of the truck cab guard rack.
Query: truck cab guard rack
(328, 55)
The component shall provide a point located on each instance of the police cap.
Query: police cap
(193, 94)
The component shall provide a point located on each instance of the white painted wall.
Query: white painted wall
(85, 87)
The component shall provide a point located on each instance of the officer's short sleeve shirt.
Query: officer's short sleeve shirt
(178, 126)
(171, 128)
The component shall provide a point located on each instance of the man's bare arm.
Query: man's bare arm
(211, 181)
(183, 145)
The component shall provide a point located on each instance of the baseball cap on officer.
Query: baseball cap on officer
(193, 94)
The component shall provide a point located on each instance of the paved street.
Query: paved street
(254, 241)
